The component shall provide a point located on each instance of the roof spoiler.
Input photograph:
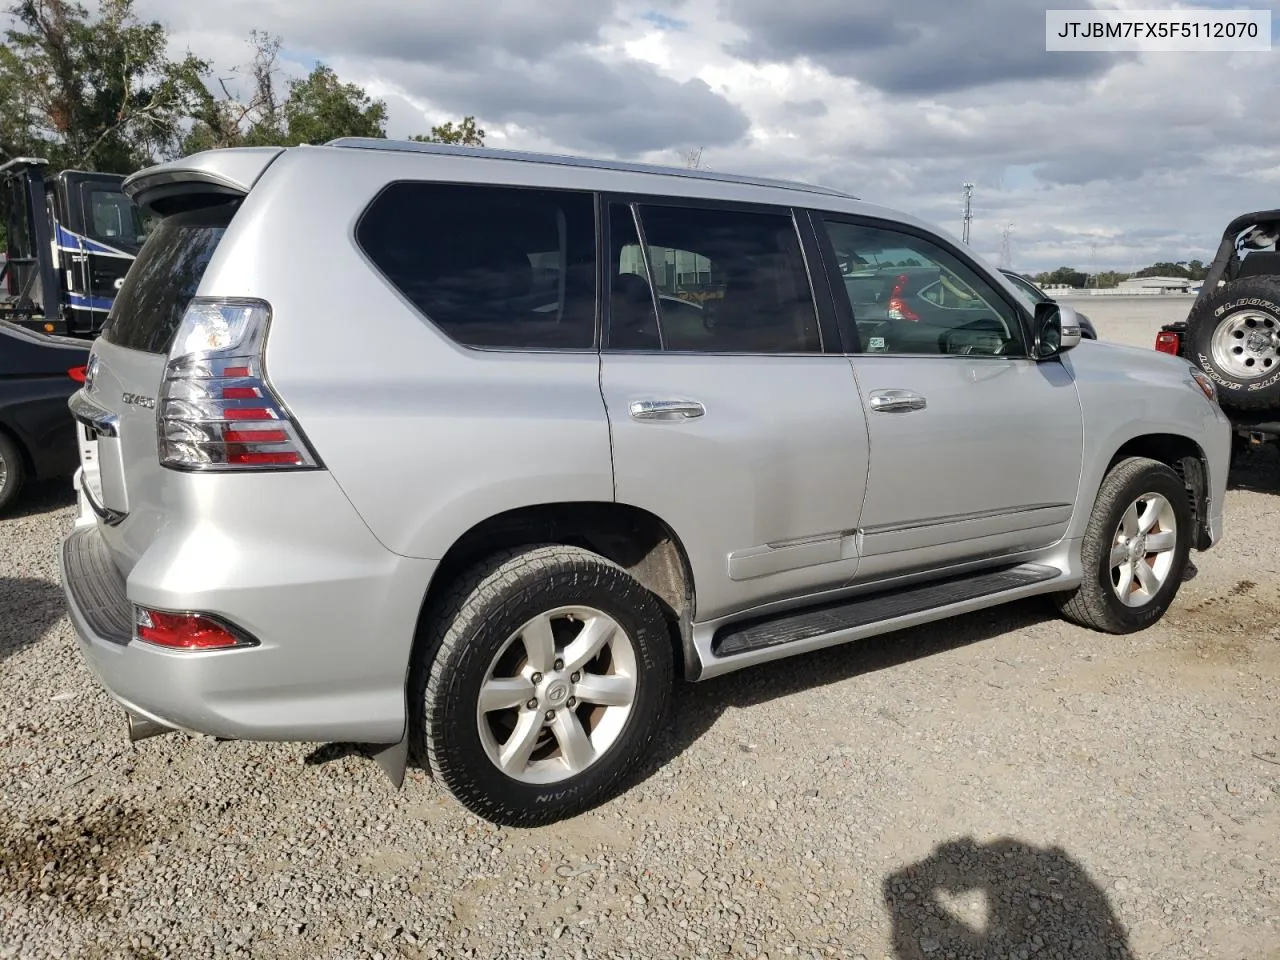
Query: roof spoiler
(178, 184)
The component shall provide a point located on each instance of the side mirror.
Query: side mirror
(1056, 328)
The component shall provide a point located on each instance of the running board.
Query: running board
(736, 639)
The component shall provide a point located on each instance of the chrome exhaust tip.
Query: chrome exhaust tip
(140, 728)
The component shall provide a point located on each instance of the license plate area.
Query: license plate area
(102, 466)
(91, 475)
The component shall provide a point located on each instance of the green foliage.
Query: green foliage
(1068, 275)
(315, 109)
(95, 92)
(98, 91)
(1191, 269)
(1107, 278)
(465, 133)
(322, 108)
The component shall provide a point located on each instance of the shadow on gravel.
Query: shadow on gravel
(1001, 899)
(42, 496)
(697, 706)
(28, 610)
(1256, 469)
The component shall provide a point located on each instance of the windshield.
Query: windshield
(112, 218)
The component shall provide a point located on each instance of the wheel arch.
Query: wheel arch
(12, 435)
(638, 541)
(1188, 460)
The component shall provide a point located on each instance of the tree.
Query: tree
(98, 93)
(233, 121)
(1192, 270)
(315, 109)
(1063, 275)
(465, 133)
(322, 108)
(1109, 278)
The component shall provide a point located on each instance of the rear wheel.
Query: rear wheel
(543, 679)
(12, 471)
(1234, 336)
(1135, 549)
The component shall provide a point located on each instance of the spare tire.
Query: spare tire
(1234, 336)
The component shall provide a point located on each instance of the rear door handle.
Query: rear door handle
(666, 409)
(896, 401)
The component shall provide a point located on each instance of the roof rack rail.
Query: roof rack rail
(622, 166)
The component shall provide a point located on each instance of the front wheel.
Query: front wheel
(543, 678)
(1135, 549)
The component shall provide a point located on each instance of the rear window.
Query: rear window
(504, 267)
(164, 278)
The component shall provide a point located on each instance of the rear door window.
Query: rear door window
(498, 267)
(161, 282)
(727, 280)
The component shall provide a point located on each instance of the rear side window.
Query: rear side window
(728, 281)
(504, 267)
(164, 278)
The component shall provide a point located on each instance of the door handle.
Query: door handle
(896, 401)
(666, 409)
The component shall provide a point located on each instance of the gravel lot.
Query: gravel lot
(1002, 785)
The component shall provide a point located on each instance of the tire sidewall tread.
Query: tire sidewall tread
(1248, 293)
(464, 631)
(1095, 604)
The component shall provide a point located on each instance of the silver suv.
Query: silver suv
(476, 452)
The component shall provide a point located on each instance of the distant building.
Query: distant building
(1155, 285)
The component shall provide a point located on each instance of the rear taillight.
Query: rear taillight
(78, 374)
(1168, 342)
(216, 409)
(186, 631)
(898, 309)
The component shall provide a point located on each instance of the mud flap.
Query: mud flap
(394, 760)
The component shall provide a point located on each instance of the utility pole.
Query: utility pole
(1006, 259)
(968, 211)
(1093, 263)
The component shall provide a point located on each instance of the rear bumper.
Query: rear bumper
(335, 629)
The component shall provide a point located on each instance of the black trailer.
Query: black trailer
(71, 240)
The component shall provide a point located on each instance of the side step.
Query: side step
(749, 636)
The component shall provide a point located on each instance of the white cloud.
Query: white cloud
(1146, 156)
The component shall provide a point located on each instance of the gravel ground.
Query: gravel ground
(1001, 785)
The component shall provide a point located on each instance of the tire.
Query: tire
(13, 472)
(1234, 336)
(474, 634)
(1097, 602)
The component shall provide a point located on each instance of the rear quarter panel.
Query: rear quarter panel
(425, 438)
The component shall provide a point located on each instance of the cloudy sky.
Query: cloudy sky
(1116, 160)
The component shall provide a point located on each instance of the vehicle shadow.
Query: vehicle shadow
(697, 706)
(28, 610)
(41, 496)
(1256, 469)
(1001, 899)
